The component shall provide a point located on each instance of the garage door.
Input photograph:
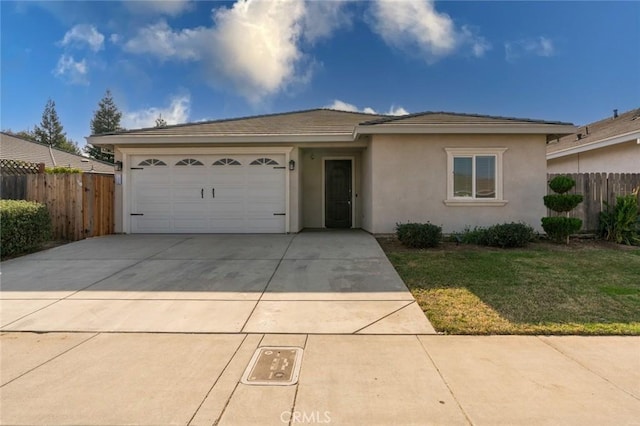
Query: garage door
(208, 193)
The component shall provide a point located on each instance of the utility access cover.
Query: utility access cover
(274, 366)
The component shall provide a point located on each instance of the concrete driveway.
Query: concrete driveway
(313, 282)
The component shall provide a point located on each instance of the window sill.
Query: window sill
(475, 203)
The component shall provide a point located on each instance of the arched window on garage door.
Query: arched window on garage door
(189, 162)
(264, 162)
(227, 162)
(152, 162)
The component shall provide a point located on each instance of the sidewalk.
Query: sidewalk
(161, 379)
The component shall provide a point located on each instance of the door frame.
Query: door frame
(128, 152)
(353, 187)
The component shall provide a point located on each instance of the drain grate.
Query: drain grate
(273, 366)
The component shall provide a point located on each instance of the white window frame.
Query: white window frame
(452, 200)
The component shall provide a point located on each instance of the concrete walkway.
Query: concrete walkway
(162, 379)
(313, 282)
(158, 330)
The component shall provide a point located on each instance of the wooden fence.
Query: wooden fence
(80, 204)
(598, 188)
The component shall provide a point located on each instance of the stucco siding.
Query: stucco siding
(410, 181)
(620, 158)
(366, 189)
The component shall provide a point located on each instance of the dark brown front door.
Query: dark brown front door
(337, 193)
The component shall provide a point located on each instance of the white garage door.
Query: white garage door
(208, 193)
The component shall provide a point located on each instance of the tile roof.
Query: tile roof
(308, 122)
(15, 148)
(442, 117)
(593, 132)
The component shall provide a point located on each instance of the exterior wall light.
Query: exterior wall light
(118, 166)
(292, 165)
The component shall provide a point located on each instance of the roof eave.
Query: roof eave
(602, 143)
(129, 139)
(545, 129)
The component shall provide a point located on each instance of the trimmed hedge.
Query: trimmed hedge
(61, 170)
(505, 235)
(562, 202)
(561, 184)
(559, 228)
(24, 226)
(419, 235)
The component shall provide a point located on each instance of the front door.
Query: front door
(337, 202)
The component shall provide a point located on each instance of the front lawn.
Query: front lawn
(586, 288)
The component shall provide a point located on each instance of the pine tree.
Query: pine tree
(50, 131)
(105, 120)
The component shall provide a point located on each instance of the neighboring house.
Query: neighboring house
(611, 145)
(331, 169)
(15, 148)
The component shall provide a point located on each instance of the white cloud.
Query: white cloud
(322, 18)
(175, 113)
(344, 106)
(255, 47)
(162, 41)
(159, 7)
(114, 38)
(72, 71)
(415, 26)
(538, 46)
(83, 34)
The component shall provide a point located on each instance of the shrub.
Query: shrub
(507, 235)
(622, 223)
(470, 236)
(419, 235)
(561, 184)
(61, 170)
(562, 202)
(25, 226)
(559, 228)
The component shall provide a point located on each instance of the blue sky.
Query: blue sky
(197, 60)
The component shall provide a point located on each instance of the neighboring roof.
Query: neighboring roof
(15, 148)
(327, 125)
(609, 131)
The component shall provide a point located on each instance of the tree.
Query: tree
(560, 228)
(50, 131)
(105, 120)
(161, 122)
(23, 134)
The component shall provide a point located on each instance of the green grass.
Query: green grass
(543, 289)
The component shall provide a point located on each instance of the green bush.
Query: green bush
(562, 184)
(61, 170)
(562, 202)
(419, 235)
(507, 235)
(622, 223)
(25, 225)
(559, 228)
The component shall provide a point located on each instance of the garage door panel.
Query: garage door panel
(224, 194)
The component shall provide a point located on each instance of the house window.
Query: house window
(189, 162)
(475, 176)
(264, 161)
(227, 162)
(152, 162)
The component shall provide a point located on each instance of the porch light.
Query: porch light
(118, 166)
(292, 165)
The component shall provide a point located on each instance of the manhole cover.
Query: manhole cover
(278, 366)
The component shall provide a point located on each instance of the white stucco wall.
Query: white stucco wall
(409, 181)
(620, 158)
